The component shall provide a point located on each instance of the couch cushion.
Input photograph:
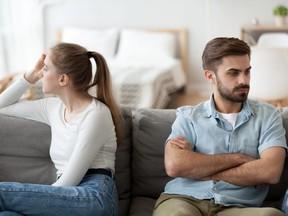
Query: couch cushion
(24, 152)
(142, 206)
(150, 131)
(278, 190)
(284, 114)
(123, 163)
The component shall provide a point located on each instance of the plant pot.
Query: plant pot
(280, 20)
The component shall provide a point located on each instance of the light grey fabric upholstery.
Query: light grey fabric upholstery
(123, 163)
(150, 131)
(24, 151)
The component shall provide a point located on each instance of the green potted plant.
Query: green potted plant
(280, 13)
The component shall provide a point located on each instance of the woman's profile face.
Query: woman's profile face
(51, 79)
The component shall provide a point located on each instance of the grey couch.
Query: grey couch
(140, 173)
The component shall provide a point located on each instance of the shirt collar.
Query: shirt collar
(212, 112)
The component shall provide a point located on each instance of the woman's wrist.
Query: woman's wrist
(35, 75)
(30, 78)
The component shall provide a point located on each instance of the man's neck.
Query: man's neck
(225, 106)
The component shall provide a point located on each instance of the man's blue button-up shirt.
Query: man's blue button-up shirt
(258, 127)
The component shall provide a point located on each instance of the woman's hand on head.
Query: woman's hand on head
(36, 74)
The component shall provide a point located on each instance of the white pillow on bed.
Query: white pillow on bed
(149, 46)
(103, 41)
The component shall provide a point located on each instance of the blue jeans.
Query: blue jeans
(95, 195)
(285, 204)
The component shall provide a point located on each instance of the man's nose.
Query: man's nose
(243, 79)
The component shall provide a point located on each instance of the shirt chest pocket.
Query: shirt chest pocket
(250, 147)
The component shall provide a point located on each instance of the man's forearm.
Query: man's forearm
(266, 170)
(213, 164)
(242, 175)
(188, 164)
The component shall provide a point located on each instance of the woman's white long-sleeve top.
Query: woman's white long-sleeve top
(87, 141)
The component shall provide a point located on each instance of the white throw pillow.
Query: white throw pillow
(104, 41)
(149, 46)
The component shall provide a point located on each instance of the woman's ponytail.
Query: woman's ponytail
(104, 91)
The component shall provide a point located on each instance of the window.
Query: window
(20, 35)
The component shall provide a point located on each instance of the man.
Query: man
(224, 152)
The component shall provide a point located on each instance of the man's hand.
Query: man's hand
(180, 143)
(36, 74)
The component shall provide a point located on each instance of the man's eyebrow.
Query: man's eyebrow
(235, 69)
(249, 68)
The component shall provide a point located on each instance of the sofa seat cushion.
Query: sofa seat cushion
(142, 206)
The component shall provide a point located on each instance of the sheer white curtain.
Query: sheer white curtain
(3, 60)
(22, 34)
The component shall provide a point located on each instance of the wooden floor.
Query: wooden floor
(182, 99)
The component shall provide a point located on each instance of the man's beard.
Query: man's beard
(228, 94)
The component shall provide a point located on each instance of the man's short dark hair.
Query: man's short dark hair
(221, 47)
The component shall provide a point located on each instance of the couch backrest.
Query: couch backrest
(151, 128)
(123, 163)
(24, 154)
(276, 191)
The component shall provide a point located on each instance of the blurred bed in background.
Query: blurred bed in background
(147, 66)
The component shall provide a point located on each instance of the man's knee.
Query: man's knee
(176, 207)
(271, 212)
(267, 211)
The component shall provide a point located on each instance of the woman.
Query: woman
(83, 143)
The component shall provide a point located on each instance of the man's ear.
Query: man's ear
(63, 80)
(210, 76)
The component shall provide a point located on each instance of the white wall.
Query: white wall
(204, 19)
